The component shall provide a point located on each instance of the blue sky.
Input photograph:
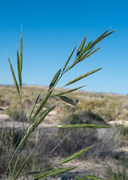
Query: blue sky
(51, 29)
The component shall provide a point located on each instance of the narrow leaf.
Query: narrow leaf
(70, 67)
(21, 169)
(40, 119)
(21, 50)
(69, 58)
(34, 126)
(79, 178)
(14, 78)
(48, 172)
(88, 54)
(101, 37)
(70, 126)
(81, 46)
(56, 172)
(33, 107)
(75, 155)
(82, 58)
(86, 48)
(93, 177)
(62, 93)
(89, 46)
(82, 76)
(42, 104)
(68, 100)
(18, 67)
(109, 33)
(54, 79)
(74, 63)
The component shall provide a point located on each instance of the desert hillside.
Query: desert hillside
(50, 145)
(108, 106)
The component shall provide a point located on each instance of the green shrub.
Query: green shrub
(84, 117)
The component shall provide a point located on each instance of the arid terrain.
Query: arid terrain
(108, 145)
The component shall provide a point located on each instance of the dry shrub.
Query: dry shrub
(9, 140)
(108, 114)
(4, 102)
(124, 106)
(84, 117)
(89, 105)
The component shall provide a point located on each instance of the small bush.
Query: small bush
(89, 105)
(108, 114)
(4, 103)
(84, 117)
(124, 106)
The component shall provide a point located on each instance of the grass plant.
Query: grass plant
(117, 174)
(36, 116)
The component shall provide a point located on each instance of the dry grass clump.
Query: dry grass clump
(9, 140)
(117, 174)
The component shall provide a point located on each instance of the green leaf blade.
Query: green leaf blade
(67, 100)
(79, 178)
(82, 76)
(21, 52)
(69, 58)
(13, 75)
(81, 46)
(69, 91)
(55, 172)
(34, 126)
(109, 33)
(93, 177)
(75, 155)
(71, 126)
(42, 104)
(21, 168)
(85, 49)
(33, 107)
(55, 78)
(19, 70)
(101, 37)
(89, 53)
